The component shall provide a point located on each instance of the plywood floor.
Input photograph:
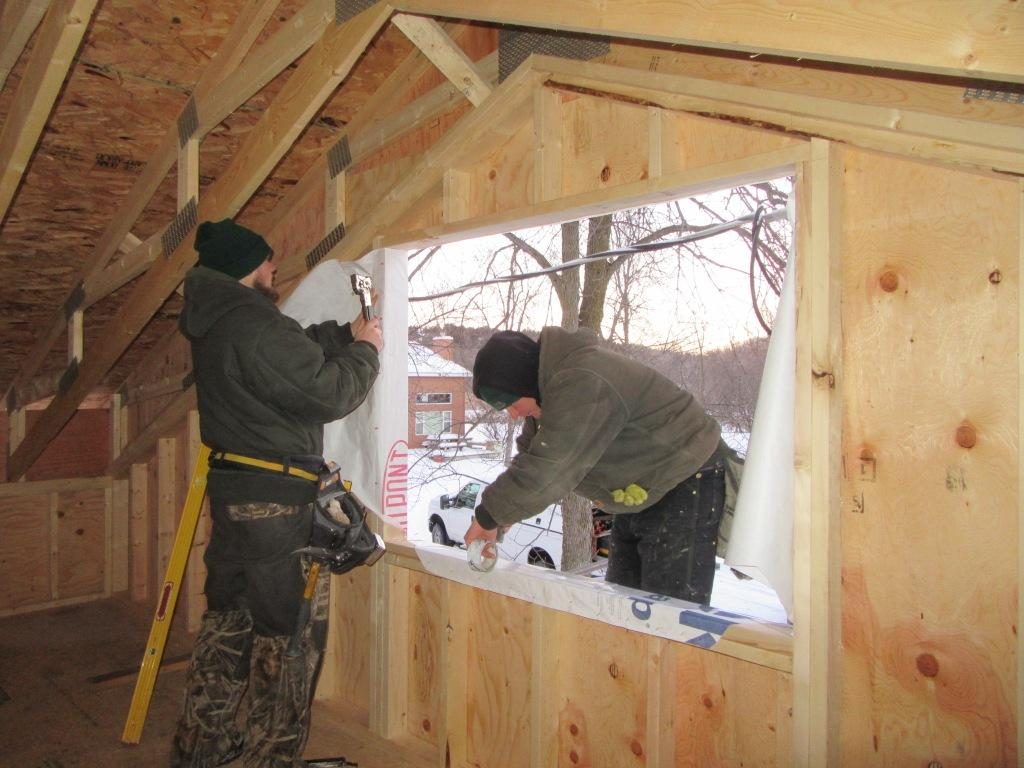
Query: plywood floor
(55, 714)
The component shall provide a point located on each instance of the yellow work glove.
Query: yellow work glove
(631, 496)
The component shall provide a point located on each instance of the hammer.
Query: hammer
(362, 286)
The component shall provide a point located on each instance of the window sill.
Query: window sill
(757, 641)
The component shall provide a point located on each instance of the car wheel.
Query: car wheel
(438, 534)
(540, 558)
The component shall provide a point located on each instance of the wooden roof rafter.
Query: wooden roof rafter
(223, 87)
(497, 116)
(370, 129)
(18, 20)
(317, 76)
(427, 35)
(59, 36)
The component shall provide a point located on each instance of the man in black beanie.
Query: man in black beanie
(265, 388)
(620, 434)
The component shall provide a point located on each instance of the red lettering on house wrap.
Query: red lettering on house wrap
(394, 502)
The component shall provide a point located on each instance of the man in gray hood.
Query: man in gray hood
(265, 387)
(622, 435)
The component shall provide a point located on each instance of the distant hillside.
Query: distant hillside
(725, 380)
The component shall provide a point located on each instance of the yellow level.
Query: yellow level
(168, 598)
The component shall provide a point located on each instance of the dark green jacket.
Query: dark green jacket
(265, 385)
(606, 421)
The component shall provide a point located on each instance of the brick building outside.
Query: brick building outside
(438, 390)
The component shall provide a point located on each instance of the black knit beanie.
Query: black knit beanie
(230, 248)
(506, 368)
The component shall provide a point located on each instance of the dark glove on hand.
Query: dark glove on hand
(483, 517)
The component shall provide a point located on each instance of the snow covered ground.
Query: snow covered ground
(429, 479)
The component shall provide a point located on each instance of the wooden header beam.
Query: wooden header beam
(986, 146)
(969, 38)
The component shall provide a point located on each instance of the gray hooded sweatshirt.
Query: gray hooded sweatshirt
(606, 422)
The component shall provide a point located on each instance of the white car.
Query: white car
(534, 541)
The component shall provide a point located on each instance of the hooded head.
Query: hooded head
(230, 248)
(506, 369)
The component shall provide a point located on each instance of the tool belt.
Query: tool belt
(341, 538)
(221, 458)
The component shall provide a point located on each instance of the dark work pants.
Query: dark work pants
(254, 591)
(669, 548)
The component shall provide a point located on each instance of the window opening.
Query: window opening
(690, 288)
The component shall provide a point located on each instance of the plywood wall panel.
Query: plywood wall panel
(81, 543)
(25, 551)
(505, 179)
(81, 448)
(691, 142)
(497, 705)
(349, 637)
(730, 712)
(597, 662)
(605, 144)
(930, 291)
(363, 189)
(426, 654)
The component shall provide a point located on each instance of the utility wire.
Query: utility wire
(759, 216)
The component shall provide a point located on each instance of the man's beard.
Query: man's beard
(268, 291)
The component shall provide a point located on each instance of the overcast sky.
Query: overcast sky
(689, 303)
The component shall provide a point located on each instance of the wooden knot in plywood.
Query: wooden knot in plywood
(927, 665)
(966, 435)
(889, 281)
(818, 373)
(636, 748)
(995, 277)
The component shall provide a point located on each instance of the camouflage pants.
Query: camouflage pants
(669, 548)
(254, 592)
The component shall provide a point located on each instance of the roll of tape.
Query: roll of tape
(477, 560)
